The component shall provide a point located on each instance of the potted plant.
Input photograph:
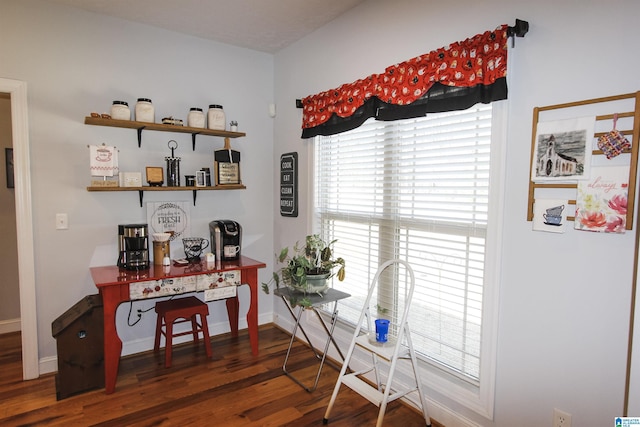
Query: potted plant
(307, 269)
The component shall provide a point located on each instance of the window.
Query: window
(415, 189)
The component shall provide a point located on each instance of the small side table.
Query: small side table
(332, 296)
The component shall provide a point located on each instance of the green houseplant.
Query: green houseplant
(307, 268)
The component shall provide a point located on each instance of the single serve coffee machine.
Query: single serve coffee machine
(226, 238)
(133, 246)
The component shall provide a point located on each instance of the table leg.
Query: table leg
(322, 357)
(250, 277)
(112, 342)
(233, 310)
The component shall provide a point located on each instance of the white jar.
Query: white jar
(145, 111)
(195, 119)
(120, 110)
(215, 117)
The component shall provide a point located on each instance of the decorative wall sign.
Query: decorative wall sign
(226, 165)
(289, 184)
(169, 217)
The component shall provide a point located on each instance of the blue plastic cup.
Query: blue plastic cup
(382, 330)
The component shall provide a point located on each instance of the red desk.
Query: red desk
(113, 283)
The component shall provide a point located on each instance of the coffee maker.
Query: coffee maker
(226, 238)
(133, 246)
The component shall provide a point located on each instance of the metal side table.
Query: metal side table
(332, 296)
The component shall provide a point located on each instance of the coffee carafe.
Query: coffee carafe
(133, 246)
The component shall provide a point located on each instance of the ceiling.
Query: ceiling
(262, 25)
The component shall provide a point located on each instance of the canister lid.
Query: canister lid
(215, 106)
(120, 103)
(196, 109)
(144, 100)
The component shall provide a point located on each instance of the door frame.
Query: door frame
(24, 226)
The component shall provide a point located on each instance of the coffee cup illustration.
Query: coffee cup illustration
(556, 210)
(552, 219)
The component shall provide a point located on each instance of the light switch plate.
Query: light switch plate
(62, 221)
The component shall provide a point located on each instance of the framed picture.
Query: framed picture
(563, 149)
(201, 179)
(155, 176)
(8, 160)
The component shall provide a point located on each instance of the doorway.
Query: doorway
(9, 291)
(17, 91)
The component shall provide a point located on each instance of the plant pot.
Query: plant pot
(316, 283)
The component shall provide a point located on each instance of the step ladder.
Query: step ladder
(396, 349)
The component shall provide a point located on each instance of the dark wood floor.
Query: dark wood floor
(231, 389)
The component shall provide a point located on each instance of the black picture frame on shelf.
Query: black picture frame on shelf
(8, 161)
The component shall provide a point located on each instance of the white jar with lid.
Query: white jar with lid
(215, 117)
(195, 119)
(120, 110)
(145, 111)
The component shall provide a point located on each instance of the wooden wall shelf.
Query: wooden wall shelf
(140, 126)
(195, 190)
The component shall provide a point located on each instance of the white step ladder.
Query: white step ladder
(396, 349)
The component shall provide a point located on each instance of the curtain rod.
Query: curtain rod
(518, 30)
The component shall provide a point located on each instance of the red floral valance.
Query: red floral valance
(479, 61)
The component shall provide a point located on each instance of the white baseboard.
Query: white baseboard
(48, 365)
(10, 325)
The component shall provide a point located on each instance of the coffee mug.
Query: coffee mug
(231, 250)
(193, 247)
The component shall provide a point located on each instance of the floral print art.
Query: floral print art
(601, 204)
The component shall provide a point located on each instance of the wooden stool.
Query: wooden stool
(187, 309)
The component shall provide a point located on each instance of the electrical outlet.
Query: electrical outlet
(561, 418)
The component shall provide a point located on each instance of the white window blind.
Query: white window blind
(413, 189)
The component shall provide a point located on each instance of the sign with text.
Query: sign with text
(289, 184)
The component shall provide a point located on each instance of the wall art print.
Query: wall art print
(550, 215)
(563, 150)
(601, 203)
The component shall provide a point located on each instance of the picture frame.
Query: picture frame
(155, 176)
(562, 150)
(201, 179)
(8, 160)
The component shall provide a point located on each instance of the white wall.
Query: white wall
(76, 62)
(563, 311)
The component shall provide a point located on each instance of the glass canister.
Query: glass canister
(195, 119)
(120, 110)
(145, 111)
(161, 250)
(216, 117)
